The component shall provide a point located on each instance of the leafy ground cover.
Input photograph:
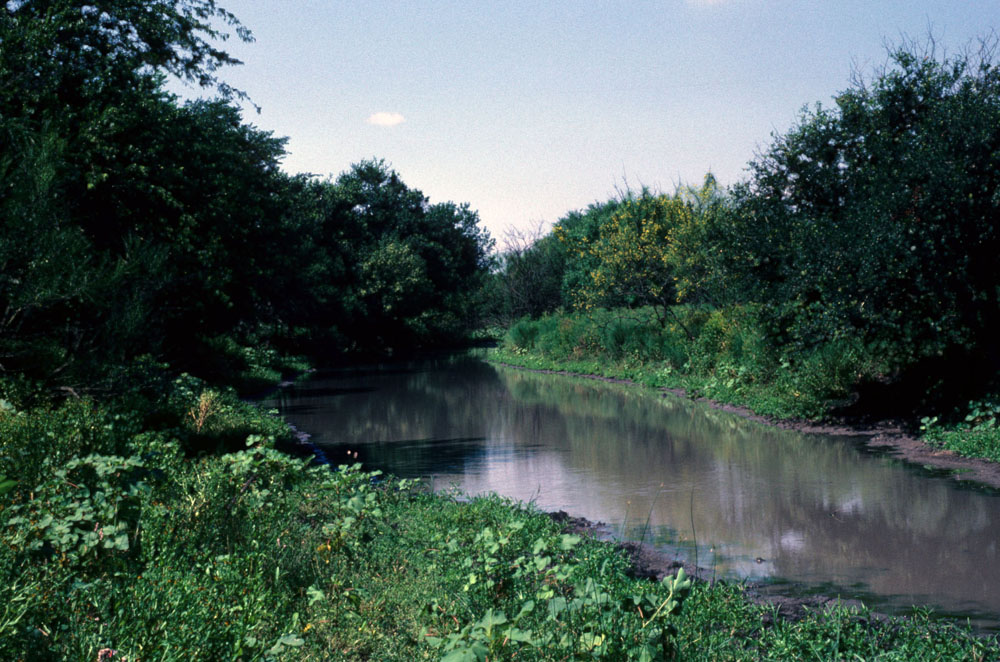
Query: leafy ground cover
(165, 525)
(973, 431)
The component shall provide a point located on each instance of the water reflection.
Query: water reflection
(760, 502)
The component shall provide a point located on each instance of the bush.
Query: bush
(40, 440)
(875, 219)
(522, 335)
(730, 355)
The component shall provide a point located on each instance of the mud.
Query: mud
(647, 562)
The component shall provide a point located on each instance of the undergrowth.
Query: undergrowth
(164, 525)
(973, 431)
(722, 354)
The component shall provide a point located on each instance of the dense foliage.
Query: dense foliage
(135, 225)
(878, 217)
(868, 230)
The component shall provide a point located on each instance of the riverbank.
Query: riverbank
(881, 436)
(648, 562)
(165, 525)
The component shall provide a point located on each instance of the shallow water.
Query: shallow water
(741, 498)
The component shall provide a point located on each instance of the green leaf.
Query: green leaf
(568, 541)
(315, 595)
(556, 606)
(526, 608)
(491, 620)
(522, 636)
(463, 655)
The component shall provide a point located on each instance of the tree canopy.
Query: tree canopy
(132, 224)
(873, 221)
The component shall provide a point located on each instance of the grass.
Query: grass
(726, 357)
(969, 442)
(163, 525)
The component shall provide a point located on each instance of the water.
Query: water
(745, 499)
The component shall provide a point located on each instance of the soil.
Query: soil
(880, 436)
(647, 562)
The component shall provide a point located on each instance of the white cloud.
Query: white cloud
(385, 119)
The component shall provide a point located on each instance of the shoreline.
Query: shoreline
(787, 601)
(648, 562)
(886, 436)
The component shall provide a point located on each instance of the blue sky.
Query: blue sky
(527, 110)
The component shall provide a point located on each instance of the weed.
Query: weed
(974, 432)
(207, 406)
(126, 540)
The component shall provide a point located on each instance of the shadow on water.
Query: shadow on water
(327, 392)
(751, 501)
(418, 457)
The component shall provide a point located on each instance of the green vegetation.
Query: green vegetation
(973, 430)
(182, 534)
(155, 262)
(723, 354)
(850, 273)
(133, 225)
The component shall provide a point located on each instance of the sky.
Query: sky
(528, 110)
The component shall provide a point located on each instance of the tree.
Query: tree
(378, 216)
(79, 93)
(528, 278)
(635, 256)
(576, 232)
(692, 252)
(131, 224)
(60, 54)
(877, 218)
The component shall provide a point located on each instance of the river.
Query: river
(746, 500)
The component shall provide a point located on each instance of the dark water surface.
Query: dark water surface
(749, 500)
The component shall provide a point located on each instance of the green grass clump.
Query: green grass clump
(722, 354)
(972, 432)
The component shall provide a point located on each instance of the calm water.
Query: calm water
(750, 501)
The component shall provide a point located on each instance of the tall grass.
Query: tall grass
(724, 354)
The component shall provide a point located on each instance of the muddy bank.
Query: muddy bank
(888, 437)
(647, 562)
(884, 437)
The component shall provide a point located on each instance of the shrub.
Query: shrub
(84, 516)
(522, 335)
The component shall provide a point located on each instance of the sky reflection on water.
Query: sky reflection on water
(762, 503)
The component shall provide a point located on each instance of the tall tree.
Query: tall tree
(878, 217)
